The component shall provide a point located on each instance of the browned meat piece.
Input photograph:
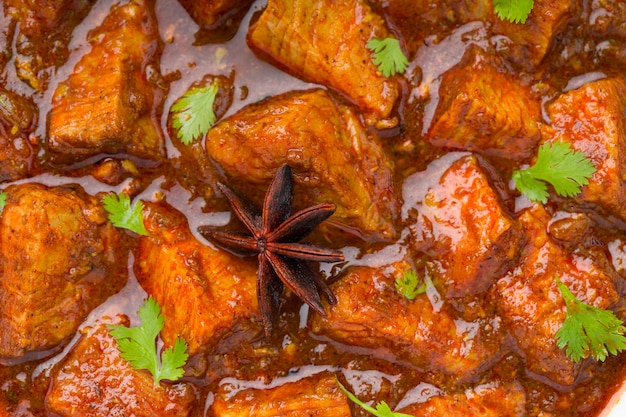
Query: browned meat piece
(608, 18)
(591, 118)
(110, 104)
(309, 397)
(371, 313)
(206, 295)
(212, 12)
(94, 380)
(484, 110)
(487, 400)
(60, 258)
(531, 304)
(332, 157)
(18, 118)
(7, 30)
(459, 221)
(532, 40)
(324, 42)
(45, 30)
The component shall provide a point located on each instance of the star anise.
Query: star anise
(275, 237)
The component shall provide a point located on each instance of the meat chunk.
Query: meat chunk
(484, 110)
(18, 118)
(459, 221)
(607, 18)
(45, 30)
(94, 380)
(110, 104)
(493, 399)
(308, 397)
(325, 42)
(532, 40)
(531, 304)
(370, 313)
(60, 258)
(205, 294)
(212, 12)
(591, 119)
(332, 157)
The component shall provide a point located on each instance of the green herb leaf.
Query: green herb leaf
(589, 330)
(3, 200)
(558, 164)
(381, 410)
(123, 214)
(193, 113)
(409, 285)
(515, 11)
(388, 56)
(138, 345)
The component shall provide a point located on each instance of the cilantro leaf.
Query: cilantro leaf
(407, 285)
(388, 56)
(124, 215)
(3, 200)
(515, 11)
(138, 345)
(382, 408)
(588, 329)
(558, 164)
(193, 113)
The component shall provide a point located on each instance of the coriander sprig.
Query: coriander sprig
(588, 329)
(123, 214)
(382, 408)
(515, 11)
(388, 56)
(557, 163)
(193, 113)
(138, 345)
(409, 285)
(3, 200)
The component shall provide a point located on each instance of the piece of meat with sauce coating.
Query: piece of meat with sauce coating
(45, 30)
(492, 399)
(325, 42)
(527, 44)
(607, 18)
(371, 313)
(206, 295)
(332, 156)
(592, 119)
(60, 258)
(18, 119)
(110, 104)
(531, 304)
(457, 218)
(94, 380)
(316, 396)
(485, 110)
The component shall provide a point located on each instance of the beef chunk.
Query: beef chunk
(93, 380)
(60, 258)
(325, 42)
(109, 104)
(592, 119)
(458, 219)
(308, 397)
(532, 40)
(205, 294)
(18, 118)
(493, 399)
(45, 29)
(212, 12)
(332, 157)
(531, 304)
(484, 110)
(371, 313)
